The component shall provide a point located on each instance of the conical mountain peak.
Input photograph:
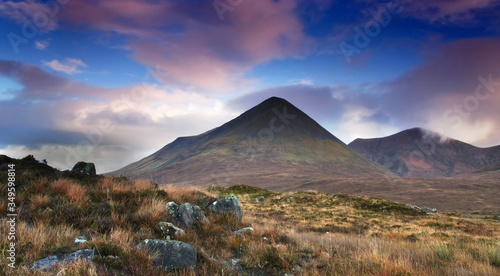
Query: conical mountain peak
(273, 142)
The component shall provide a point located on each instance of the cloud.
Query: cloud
(453, 92)
(42, 45)
(69, 65)
(192, 45)
(446, 11)
(55, 117)
(41, 16)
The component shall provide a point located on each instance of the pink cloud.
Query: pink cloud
(191, 44)
(448, 93)
(69, 65)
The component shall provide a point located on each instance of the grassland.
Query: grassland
(297, 233)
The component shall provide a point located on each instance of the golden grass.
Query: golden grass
(39, 201)
(303, 233)
(182, 194)
(76, 193)
(151, 211)
(143, 184)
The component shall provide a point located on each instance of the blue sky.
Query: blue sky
(112, 81)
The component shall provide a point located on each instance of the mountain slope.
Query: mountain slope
(271, 145)
(421, 153)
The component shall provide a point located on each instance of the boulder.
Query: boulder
(84, 168)
(168, 230)
(243, 231)
(49, 262)
(229, 204)
(260, 199)
(185, 215)
(169, 255)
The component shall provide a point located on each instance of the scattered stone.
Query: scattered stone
(243, 231)
(168, 230)
(384, 211)
(49, 262)
(185, 215)
(229, 204)
(81, 239)
(169, 255)
(233, 263)
(434, 210)
(260, 199)
(84, 168)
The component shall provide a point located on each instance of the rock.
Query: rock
(185, 215)
(434, 210)
(49, 262)
(170, 255)
(84, 168)
(243, 231)
(168, 230)
(260, 199)
(229, 204)
(81, 239)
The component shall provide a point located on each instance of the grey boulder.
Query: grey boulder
(49, 262)
(169, 255)
(185, 215)
(229, 204)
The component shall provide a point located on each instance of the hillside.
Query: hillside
(297, 233)
(274, 145)
(424, 154)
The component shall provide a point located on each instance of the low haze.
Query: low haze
(110, 82)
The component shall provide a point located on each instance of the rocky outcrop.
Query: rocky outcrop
(185, 215)
(49, 262)
(169, 255)
(84, 168)
(167, 230)
(229, 204)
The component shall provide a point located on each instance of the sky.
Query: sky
(113, 81)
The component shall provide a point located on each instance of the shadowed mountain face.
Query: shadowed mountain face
(422, 153)
(273, 145)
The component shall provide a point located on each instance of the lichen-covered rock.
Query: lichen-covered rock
(167, 230)
(84, 168)
(243, 231)
(229, 204)
(185, 215)
(169, 255)
(49, 262)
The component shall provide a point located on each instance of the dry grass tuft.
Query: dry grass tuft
(143, 184)
(183, 194)
(39, 201)
(151, 211)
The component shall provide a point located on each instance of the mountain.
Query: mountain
(422, 153)
(273, 145)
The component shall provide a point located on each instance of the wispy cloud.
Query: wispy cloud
(69, 65)
(42, 45)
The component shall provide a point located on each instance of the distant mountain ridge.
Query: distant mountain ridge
(422, 153)
(271, 145)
